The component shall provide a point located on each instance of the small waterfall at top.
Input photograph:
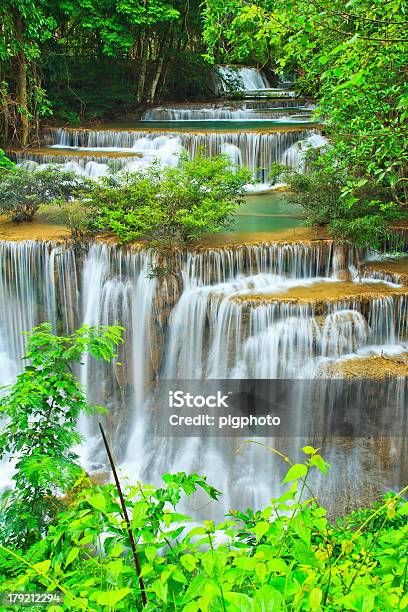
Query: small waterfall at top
(242, 77)
(235, 318)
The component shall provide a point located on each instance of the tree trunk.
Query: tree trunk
(21, 82)
(143, 69)
(5, 112)
(155, 81)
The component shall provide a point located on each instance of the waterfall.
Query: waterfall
(294, 155)
(242, 77)
(257, 151)
(87, 165)
(32, 293)
(235, 318)
(227, 113)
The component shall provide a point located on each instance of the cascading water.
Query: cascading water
(257, 151)
(233, 319)
(294, 155)
(242, 77)
(214, 113)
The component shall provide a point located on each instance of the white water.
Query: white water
(257, 151)
(227, 113)
(242, 77)
(295, 154)
(214, 330)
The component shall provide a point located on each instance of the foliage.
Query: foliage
(5, 162)
(351, 58)
(23, 191)
(168, 207)
(41, 411)
(26, 24)
(286, 557)
(57, 57)
(76, 218)
(232, 33)
(365, 221)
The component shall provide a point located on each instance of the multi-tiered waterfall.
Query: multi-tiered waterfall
(275, 309)
(95, 152)
(240, 313)
(255, 133)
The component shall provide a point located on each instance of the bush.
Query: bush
(5, 162)
(287, 556)
(39, 414)
(168, 207)
(23, 191)
(355, 211)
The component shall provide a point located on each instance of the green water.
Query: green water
(267, 212)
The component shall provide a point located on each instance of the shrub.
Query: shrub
(287, 556)
(23, 191)
(5, 162)
(355, 211)
(168, 207)
(40, 414)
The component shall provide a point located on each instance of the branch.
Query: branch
(125, 517)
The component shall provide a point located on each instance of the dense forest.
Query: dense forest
(86, 61)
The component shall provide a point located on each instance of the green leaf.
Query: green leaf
(150, 552)
(309, 450)
(72, 555)
(299, 470)
(110, 598)
(277, 565)
(189, 561)
(260, 529)
(43, 566)
(98, 501)
(260, 570)
(195, 588)
(239, 602)
(139, 512)
(301, 529)
(268, 599)
(320, 463)
(402, 510)
(315, 598)
(160, 589)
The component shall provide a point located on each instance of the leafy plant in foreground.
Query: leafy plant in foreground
(41, 411)
(285, 557)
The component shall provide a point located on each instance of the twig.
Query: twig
(125, 517)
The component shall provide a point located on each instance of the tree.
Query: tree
(352, 58)
(25, 24)
(23, 191)
(144, 50)
(168, 207)
(41, 411)
(319, 193)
